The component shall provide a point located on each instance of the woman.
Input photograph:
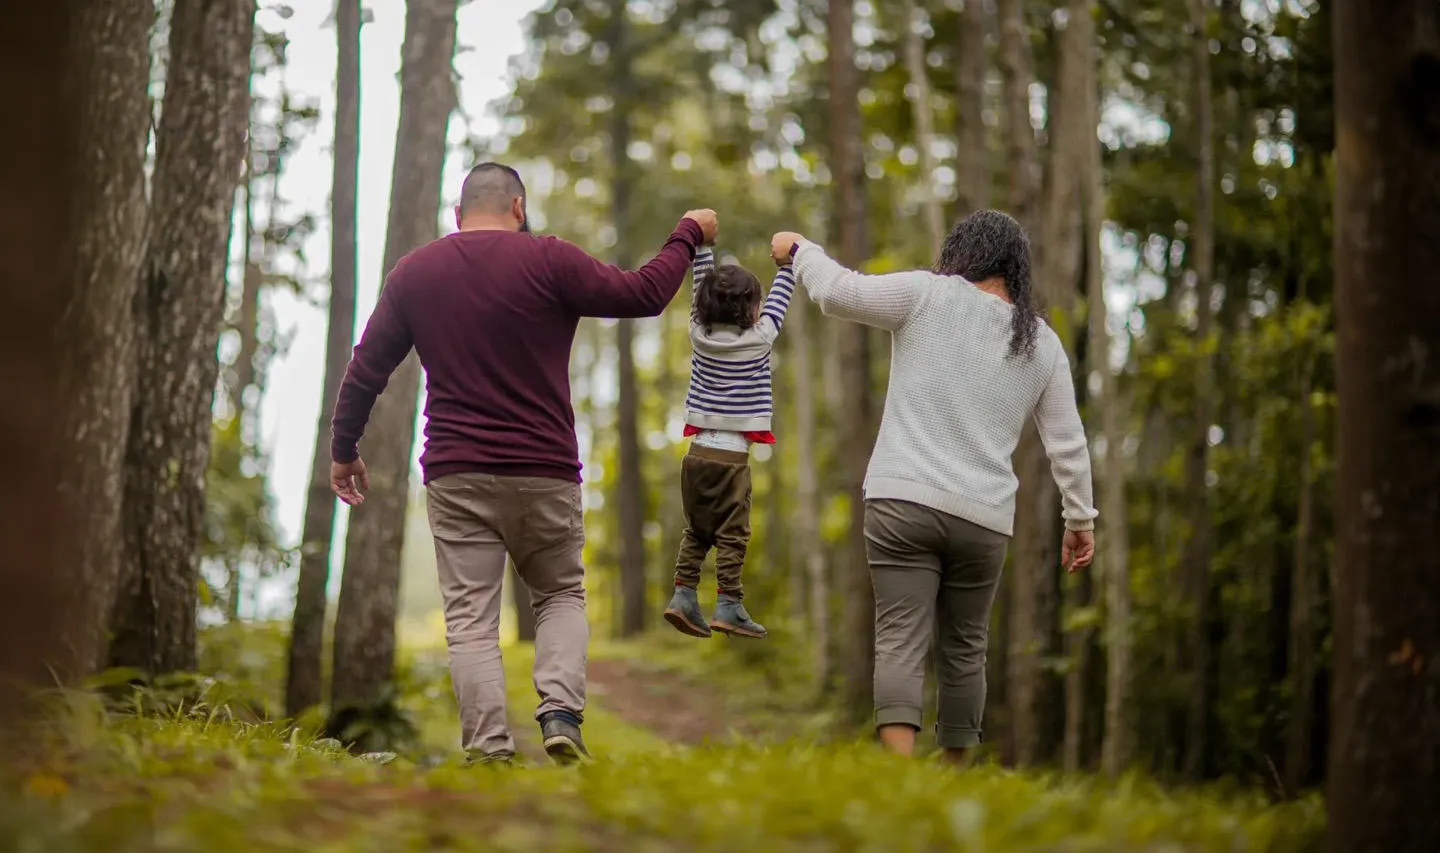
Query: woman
(971, 363)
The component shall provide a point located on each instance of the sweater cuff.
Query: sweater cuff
(1080, 525)
(344, 453)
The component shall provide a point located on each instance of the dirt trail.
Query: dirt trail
(675, 708)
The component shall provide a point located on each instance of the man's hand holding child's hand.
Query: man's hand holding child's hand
(707, 220)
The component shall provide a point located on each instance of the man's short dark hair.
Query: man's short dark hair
(490, 188)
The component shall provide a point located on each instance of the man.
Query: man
(492, 312)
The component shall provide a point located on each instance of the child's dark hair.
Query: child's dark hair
(727, 296)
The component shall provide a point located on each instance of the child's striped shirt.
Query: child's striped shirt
(730, 367)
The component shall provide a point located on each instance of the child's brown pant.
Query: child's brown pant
(715, 493)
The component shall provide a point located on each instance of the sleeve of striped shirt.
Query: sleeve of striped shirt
(704, 262)
(778, 300)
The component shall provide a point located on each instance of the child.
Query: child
(728, 408)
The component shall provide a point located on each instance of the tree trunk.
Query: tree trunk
(200, 148)
(808, 551)
(1034, 588)
(365, 615)
(973, 162)
(49, 623)
(110, 67)
(1017, 75)
(923, 113)
(631, 480)
(304, 683)
(847, 166)
(1029, 543)
(1197, 460)
(520, 600)
(1385, 736)
(1302, 601)
(1118, 739)
(1069, 240)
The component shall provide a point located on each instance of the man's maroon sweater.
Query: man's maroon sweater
(493, 316)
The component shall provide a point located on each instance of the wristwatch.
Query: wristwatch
(794, 247)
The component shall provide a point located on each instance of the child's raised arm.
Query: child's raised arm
(778, 300)
(704, 262)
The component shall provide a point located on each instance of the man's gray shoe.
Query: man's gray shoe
(493, 761)
(731, 618)
(684, 613)
(563, 743)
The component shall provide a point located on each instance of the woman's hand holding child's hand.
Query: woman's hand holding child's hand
(780, 246)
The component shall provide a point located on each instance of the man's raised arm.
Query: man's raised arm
(595, 289)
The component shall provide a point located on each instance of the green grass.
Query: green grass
(204, 779)
(195, 783)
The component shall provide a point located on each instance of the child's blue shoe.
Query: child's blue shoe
(731, 618)
(684, 613)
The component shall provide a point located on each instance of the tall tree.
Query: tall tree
(1066, 246)
(1386, 731)
(303, 687)
(973, 161)
(1029, 577)
(365, 615)
(1114, 565)
(1197, 458)
(916, 22)
(39, 634)
(110, 70)
(199, 151)
(847, 169)
(622, 184)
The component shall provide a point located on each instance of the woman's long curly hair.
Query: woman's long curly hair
(729, 295)
(990, 244)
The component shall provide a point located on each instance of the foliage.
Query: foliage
(198, 782)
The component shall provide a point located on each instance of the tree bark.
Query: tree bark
(1118, 739)
(109, 53)
(631, 478)
(924, 117)
(1035, 563)
(1197, 460)
(1067, 242)
(200, 148)
(1017, 76)
(44, 629)
(808, 551)
(973, 161)
(1385, 736)
(365, 616)
(304, 683)
(847, 167)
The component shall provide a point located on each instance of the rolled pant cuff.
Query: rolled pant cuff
(956, 737)
(898, 715)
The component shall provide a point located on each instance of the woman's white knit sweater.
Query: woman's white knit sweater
(957, 400)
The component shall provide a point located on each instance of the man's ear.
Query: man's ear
(517, 209)
(458, 217)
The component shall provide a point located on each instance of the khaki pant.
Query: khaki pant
(929, 567)
(476, 519)
(715, 493)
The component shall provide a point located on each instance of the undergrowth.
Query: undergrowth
(192, 773)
